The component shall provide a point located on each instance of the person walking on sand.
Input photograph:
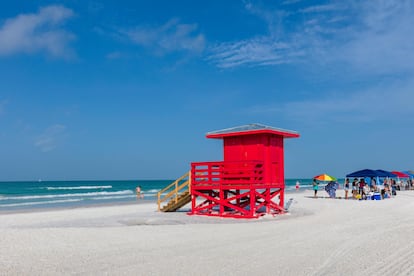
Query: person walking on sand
(346, 188)
(315, 185)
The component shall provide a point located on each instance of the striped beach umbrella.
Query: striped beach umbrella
(324, 177)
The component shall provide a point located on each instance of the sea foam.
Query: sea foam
(112, 197)
(124, 192)
(39, 202)
(78, 187)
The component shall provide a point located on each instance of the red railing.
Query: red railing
(220, 173)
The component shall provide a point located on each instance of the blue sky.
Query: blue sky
(128, 89)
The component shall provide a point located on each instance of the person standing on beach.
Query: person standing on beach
(354, 187)
(346, 188)
(297, 185)
(139, 192)
(315, 185)
(361, 186)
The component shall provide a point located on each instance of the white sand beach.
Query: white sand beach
(317, 237)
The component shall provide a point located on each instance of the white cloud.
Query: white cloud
(170, 37)
(254, 52)
(382, 43)
(369, 37)
(49, 139)
(37, 32)
(321, 8)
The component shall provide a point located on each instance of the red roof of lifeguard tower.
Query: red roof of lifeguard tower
(252, 129)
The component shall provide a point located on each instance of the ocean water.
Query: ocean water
(61, 194)
(67, 194)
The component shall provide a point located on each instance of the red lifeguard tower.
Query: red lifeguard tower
(248, 183)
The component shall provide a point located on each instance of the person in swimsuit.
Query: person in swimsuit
(346, 188)
(315, 185)
(139, 192)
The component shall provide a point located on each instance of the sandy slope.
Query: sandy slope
(318, 237)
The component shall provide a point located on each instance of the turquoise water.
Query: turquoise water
(53, 194)
(66, 194)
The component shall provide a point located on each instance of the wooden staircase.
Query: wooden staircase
(176, 195)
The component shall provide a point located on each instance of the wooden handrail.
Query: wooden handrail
(172, 191)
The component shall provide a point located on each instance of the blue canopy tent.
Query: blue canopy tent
(387, 173)
(409, 173)
(367, 173)
(372, 174)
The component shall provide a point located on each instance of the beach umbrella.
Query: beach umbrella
(324, 177)
(400, 174)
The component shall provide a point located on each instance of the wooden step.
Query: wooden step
(173, 206)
